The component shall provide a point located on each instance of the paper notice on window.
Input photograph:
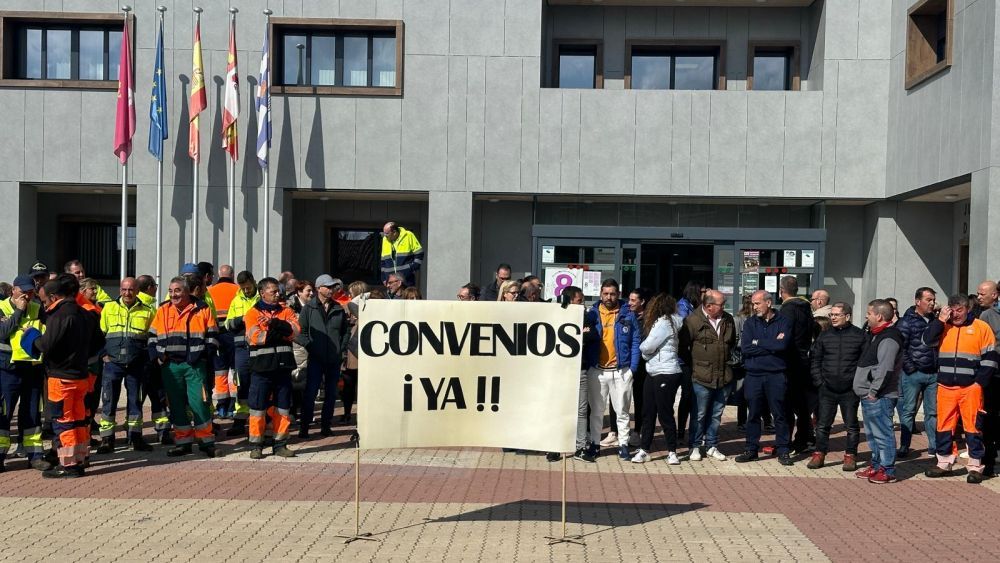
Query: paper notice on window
(548, 254)
(789, 261)
(591, 283)
(771, 284)
(808, 258)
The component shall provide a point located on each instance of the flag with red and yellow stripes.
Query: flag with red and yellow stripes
(199, 100)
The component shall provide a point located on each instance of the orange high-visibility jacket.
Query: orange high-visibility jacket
(222, 293)
(187, 336)
(270, 332)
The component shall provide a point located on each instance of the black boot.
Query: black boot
(207, 449)
(107, 445)
(239, 428)
(139, 444)
(183, 449)
(60, 472)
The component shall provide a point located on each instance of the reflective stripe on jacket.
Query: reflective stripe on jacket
(966, 353)
(269, 334)
(403, 257)
(183, 336)
(126, 330)
(238, 307)
(13, 323)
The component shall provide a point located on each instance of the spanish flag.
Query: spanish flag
(199, 101)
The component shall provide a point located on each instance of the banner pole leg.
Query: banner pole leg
(564, 538)
(357, 503)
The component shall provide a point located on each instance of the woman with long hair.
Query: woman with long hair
(660, 327)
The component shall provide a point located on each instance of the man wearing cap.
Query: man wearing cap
(75, 267)
(324, 336)
(21, 377)
(39, 274)
(401, 253)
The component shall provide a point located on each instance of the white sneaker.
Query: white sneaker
(695, 454)
(610, 440)
(964, 454)
(633, 440)
(640, 457)
(672, 459)
(715, 454)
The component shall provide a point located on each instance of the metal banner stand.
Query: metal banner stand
(357, 503)
(578, 540)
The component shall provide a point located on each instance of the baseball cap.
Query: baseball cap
(39, 269)
(189, 268)
(24, 283)
(326, 280)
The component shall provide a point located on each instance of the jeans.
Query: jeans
(21, 389)
(111, 389)
(319, 374)
(828, 403)
(766, 389)
(581, 413)
(660, 391)
(910, 386)
(709, 404)
(878, 429)
(616, 383)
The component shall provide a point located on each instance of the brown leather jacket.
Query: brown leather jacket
(707, 352)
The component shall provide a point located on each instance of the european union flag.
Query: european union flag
(158, 103)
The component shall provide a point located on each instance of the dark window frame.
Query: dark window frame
(11, 47)
(676, 47)
(596, 45)
(792, 49)
(338, 28)
(923, 35)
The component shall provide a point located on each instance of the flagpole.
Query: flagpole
(159, 200)
(124, 240)
(232, 171)
(267, 167)
(194, 186)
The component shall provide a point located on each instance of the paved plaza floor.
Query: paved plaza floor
(483, 504)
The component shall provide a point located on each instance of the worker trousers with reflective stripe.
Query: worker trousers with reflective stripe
(70, 422)
(111, 387)
(265, 388)
(21, 388)
(185, 385)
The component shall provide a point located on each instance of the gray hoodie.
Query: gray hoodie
(659, 349)
(881, 379)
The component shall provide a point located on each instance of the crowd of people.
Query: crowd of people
(789, 364)
(222, 347)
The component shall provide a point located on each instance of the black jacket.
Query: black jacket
(490, 292)
(834, 358)
(71, 337)
(324, 332)
(917, 356)
(798, 311)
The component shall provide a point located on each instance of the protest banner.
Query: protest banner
(438, 373)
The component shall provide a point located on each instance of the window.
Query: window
(674, 66)
(354, 254)
(320, 56)
(578, 64)
(928, 39)
(97, 244)
(773, 65)
(53, 50)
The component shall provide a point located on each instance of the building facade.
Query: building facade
(848, 142)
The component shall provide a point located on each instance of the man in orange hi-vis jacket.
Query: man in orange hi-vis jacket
(270, 329)
(183, 340)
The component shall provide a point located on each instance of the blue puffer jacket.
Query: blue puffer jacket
(917, 356)
(763, 351)
(627, 336)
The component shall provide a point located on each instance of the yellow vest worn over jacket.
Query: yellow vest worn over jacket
(13, 323)
(238, 308)
(126, 330)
